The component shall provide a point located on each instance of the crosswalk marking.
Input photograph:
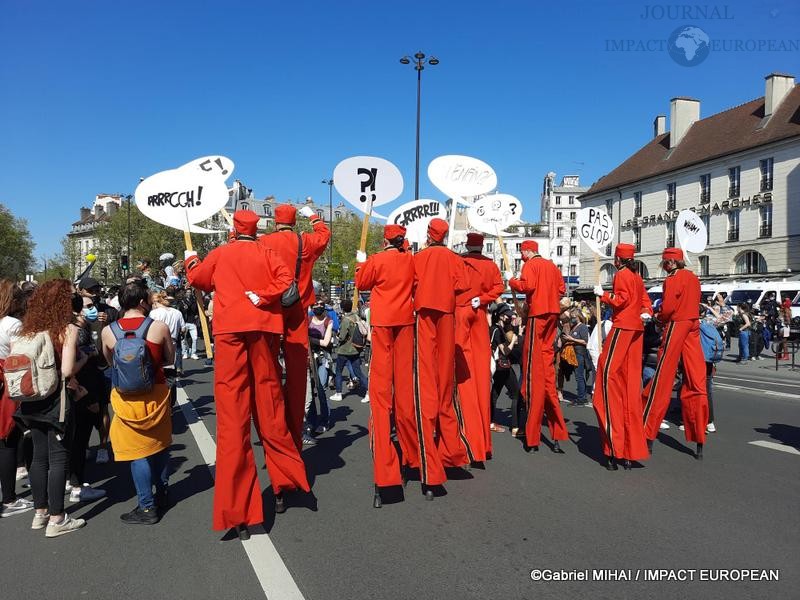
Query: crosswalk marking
(776, 446)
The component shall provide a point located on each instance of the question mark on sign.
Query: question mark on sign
(369, 183)
(513, 207)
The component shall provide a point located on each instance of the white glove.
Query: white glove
(598, 290)
(307, 212)
(646, 316)
(508, 275)
(189, 254)
(254, 298)
(361, 256)
(476, 302)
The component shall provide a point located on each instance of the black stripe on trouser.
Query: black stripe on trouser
(654, 381)
(531, 334)
(423, 464)
(460, 418)
(607, 367)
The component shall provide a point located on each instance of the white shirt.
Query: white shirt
(172, 317)
(9, 327)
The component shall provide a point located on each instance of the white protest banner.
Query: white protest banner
(415, 216)
(494, 213)
(367, 181)
(691, 231)
(595, 228)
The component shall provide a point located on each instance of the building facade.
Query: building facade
(82, 236)
(738, 169)
(559, 210)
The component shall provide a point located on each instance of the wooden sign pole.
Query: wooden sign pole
(187, 238)
(363, 247)
(597, 303)
(508, 268)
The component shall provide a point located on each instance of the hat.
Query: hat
(624, 251)
(245, 222)
(285, 214)
(503, 309)
(437, 229)
(392, 231)
(672, 254)
(474, 240)
(88, 283)
(531, 245)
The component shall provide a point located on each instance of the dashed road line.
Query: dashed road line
(776, 446)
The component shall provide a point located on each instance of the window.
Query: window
(244, 206)
(560, 267)
(610, 207)
(703, 260)
(559, 232)
(321, 213)
(572, 199)
(268, 210)
(517, 264)
(558, 216)
(670, 239)
(705, 188)
(490, 247)
(733, 226)
(637, 238)
(573, 251)
(765, 221)
(706, 219)
(572, 215)
(637, 204)
(338, 214)
(766, 174)
(558, 200)
(559, 251)
(641, 269)
(519, 247)
(671, 196)
(750, 262)
(573, 270)
(573, 232)
(608, 250)
(734, 180)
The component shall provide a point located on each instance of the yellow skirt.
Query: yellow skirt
(142, 424)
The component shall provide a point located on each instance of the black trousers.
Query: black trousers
(82, 421)
(8, 465)
(507, 378)
(48, 473)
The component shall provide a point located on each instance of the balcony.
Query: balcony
(733, 234)
(733, 191)
(637, 211)
(765, 230)
(670, 241)
(671, 204)
(766, 184)
(705, 197)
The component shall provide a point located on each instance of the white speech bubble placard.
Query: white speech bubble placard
(221, 166)
(415, 216)
(367, 181)
(495, 213)
(462, 177)
(180, 197)
(595, 228)
(691, 232)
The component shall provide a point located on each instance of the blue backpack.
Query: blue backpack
(132, 370)
(712, 342)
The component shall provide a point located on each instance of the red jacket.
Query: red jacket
(681, 300)
(492, 285)
(284, 243)
(464, 297)
(628, 301)
(234, 268)
(390, 276)
(439, 274)
(543, 285)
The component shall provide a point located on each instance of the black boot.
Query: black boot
(280, 505)
(376, 500)
(626, 464)
(611, 464)
(404, 474)
(428, 493)
(650, 446)
(557, 447)
(699, 454)
(243, 532)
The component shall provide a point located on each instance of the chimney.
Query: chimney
(99, 211)
(778, 86)
(112, 208)
(682, 113)
(85, 213)
(659, 125)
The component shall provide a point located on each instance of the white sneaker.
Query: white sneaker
(664, 425)
(710, 428)
(681, 427)
(365, 399)
(194, 357)
(102, 456)
(185, 356)
(40, 520)
(337, 397)
(22, 473)
(20, 505)
(67, 525)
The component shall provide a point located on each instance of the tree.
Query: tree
(16, 246)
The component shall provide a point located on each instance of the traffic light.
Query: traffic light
(124, 262)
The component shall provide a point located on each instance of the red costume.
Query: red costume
(246, 374)
(439, 274)
(618, 389)
(680, 341)
(390, 276)
(543, 285)
(284, 242)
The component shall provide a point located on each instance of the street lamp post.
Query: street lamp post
(329, 183)
(419, 65)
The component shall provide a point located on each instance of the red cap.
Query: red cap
(474, 239)
(672, 254)
(393, 231)
(624, 251)
(437, 229)
(531, 245)
(245, 222)
(285, 214)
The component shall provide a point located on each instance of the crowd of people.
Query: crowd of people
(431, 354)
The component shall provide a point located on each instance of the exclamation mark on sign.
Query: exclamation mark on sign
(199, 194)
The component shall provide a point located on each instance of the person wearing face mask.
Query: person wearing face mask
(504, 342)
(680, 342)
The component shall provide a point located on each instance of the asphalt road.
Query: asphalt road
(561, 514)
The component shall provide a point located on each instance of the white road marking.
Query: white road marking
(275, 579)
(794, 385)
(776, 446)
(742, 388)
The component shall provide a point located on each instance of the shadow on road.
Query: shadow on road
(785, 434)
(588, 441)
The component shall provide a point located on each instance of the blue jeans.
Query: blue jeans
(744, 345)
(178, 354)
(580, 375)
(143, 469)
(354, 364)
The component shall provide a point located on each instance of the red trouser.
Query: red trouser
(539, 380)
(472, 412)
(680, 341)
(433, 396)
(295, 357)
(390, 376)
(618, 395)
(247, 383)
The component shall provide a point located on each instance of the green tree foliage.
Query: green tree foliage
(16, 246)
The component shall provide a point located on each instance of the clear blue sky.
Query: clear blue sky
(97, 94)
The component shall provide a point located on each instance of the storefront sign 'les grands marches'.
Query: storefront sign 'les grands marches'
(703, 209)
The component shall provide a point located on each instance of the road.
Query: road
(556, 513)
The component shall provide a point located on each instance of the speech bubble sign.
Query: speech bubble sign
(691, 231)
(221, 166)
(179, 197)
(461, 176)
(367, 181)
(595, 228)
(495, 213)
(415, 217)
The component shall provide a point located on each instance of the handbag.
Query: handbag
(292, 294)
(568, 355)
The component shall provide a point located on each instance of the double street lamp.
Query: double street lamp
(419, 62)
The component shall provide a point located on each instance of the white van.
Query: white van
(754, 292)
(706, 290)
(656, 293)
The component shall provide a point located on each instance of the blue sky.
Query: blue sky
(97, 94)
